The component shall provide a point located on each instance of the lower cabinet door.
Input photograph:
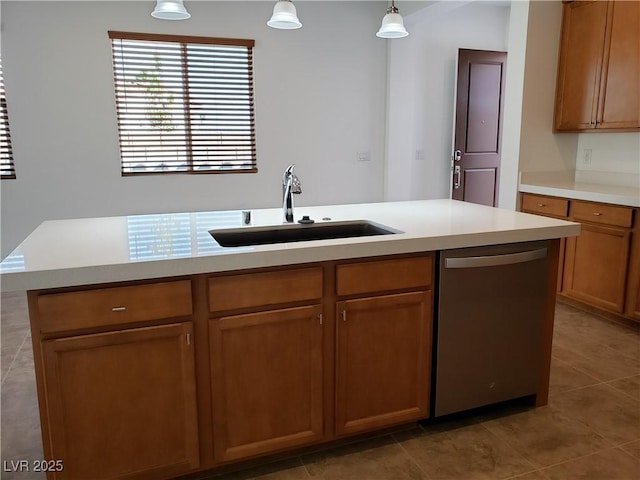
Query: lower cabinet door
(633, 281)
(595, 268)
(123, 404)
(266, 381)
(383, 361)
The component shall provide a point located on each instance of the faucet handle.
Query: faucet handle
(296, 186)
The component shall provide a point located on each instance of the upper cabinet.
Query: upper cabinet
(598, 73)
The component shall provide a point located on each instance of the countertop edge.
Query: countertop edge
(623, 200)
(167, 268)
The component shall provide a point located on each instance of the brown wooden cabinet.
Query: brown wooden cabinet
(383, 347)
(633, 286)
(266, 381)
(601, 267)
(152, 380)
(266, 339)
(549, 207)
(122, 404)
(383, 358)
(596, 266)
(598, 72)
(596, 262)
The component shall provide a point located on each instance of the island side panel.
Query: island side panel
(36, 344)
(542, 395)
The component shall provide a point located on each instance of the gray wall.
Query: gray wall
(320, 99)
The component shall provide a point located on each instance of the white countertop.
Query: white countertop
(100, 250)
(580, 187)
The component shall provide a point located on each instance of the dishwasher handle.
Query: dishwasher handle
(495, 260)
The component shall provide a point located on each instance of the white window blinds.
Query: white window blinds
(184, 104)
(7, 169)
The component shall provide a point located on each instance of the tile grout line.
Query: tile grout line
(622, 392)
(619, 447)
(583, 387)
(413, 460)
(513, 449)
(304, 465)
(590, 375)
(581, 457)
(13, 360)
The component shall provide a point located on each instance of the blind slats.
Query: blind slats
(184, 104)
(7, 168)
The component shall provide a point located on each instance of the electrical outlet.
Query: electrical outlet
(586, 156)
(363, 156)
(419, 155)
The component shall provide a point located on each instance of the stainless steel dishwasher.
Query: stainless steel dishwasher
(490, 320)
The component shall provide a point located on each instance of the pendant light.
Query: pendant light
(170, 10)
(392, 24)
(284, 16)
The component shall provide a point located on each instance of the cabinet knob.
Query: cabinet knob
(541, 205)
(597, 214)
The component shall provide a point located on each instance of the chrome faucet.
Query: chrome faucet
(290, 185)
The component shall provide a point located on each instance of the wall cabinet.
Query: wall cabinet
(600, 265)
(599, 67)
(122, 404)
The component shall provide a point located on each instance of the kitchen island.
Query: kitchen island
(160, 353)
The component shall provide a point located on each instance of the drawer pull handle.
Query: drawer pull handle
(118, 309)
(541, 205)
(597, 214)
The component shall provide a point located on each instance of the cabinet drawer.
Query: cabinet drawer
(113, 306)
(601, 213)
(267, 288)
(377, 276)
(555, 207)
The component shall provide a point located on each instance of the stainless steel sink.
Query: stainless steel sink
(248, 236)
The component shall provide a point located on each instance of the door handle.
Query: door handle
(457, 155)
(456, 180)
(495, 260)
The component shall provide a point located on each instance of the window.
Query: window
(7, 170)
(184, 104)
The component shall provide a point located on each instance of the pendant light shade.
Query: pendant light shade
(284, 16)
(392, 24)
(170, 10)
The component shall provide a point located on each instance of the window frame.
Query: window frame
(208, 166)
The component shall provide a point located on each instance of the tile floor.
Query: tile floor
(590, 429)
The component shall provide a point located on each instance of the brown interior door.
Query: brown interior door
(478, 131)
